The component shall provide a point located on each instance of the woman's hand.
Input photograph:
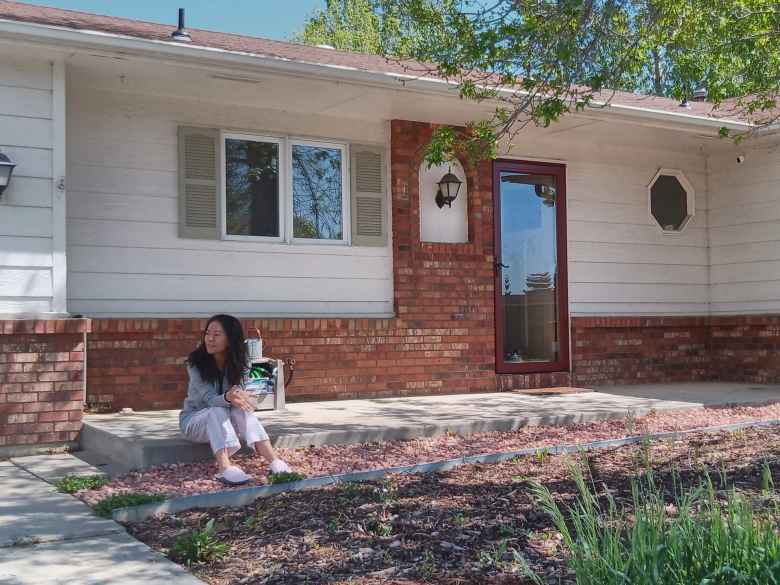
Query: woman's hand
(239, 398)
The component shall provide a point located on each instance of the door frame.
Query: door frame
(559, 171)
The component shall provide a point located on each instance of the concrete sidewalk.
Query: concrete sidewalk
(144, 439)
(49, 538)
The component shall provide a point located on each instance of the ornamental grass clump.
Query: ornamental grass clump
(698, 538)
(199, 546)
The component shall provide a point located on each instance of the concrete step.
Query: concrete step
(137, 452)
(139, 440)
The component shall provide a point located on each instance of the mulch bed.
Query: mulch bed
(459, 526)
(198, 478)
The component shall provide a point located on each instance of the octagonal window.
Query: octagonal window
(671, 200)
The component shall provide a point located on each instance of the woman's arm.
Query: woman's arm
(204, 392)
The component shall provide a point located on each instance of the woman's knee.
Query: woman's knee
(217, 413)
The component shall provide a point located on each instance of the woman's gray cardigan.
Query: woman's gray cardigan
(200, 395)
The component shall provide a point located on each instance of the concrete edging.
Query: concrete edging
(242, 497)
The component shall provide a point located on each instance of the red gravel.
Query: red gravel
(198, 478)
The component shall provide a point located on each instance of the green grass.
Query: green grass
(70, 484)
(699, 537)
(285, 477)
(104, 507)
(199, 546)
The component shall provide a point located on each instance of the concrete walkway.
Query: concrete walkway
(150, 438)
(49, 538)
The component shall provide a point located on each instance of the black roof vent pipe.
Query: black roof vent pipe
(181, 34)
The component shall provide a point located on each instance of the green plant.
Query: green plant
(333, 525)
(459, 520)
(542, 455)
(503, 558)
(253, 521)
(199, 546)
(697, 539)
(767, 483)
(427, 566)
(630, 422)
(104, 507)
(285, 477)
(385, 493)
(70, 484)
(379, 524)
(507, 529)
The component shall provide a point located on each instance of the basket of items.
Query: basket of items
(264, 380)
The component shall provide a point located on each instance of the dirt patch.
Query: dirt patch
(469, 525)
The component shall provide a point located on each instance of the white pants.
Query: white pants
(222, 427)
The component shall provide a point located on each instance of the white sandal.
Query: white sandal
(279, 466)
(233, 475)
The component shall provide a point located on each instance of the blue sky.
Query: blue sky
(276, 19)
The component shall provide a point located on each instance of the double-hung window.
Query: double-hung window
(285, 190)
(239, 186)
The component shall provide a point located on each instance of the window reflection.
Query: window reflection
(252, 188)
(317, 192)
(529, 278)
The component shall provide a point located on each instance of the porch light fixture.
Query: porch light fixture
(449, 186)
(6, 170)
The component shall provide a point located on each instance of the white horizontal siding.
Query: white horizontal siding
(745, 231)
(25, 251)
(25, 282)
(620, 261)
(20, 101)
(160, 261)
(26, 228)
(203, 308)
(124, 253)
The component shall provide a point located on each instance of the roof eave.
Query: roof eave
(69, 38)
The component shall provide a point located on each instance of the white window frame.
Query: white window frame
(345, 193)
(280, 142)
(690, 201)
(286, 222)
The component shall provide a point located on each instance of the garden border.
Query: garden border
(242, 497)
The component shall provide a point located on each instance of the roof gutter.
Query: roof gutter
(43, 34)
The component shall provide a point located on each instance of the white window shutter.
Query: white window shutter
(199, 177)
(369, 196)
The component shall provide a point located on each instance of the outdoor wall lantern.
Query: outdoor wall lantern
(448, 189)
(6, 170)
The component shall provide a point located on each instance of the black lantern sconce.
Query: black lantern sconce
(449, 186)
(6, 170)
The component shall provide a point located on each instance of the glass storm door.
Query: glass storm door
(531, 293)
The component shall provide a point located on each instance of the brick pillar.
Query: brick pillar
(42, 369)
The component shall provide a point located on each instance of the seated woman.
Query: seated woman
(216, 409)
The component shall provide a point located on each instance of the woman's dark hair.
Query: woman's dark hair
(235, 356)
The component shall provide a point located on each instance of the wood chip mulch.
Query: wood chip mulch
(468, 525)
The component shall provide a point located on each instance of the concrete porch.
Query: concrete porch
(144, 439)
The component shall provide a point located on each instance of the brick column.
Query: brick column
(42, 383)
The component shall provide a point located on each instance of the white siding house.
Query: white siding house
(32, 214)
(745, 229)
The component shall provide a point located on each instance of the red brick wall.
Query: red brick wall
(640, 350)
(746, 348)
(41, 381)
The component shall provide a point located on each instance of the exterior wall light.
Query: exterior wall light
(448, 189)
(6, 170)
